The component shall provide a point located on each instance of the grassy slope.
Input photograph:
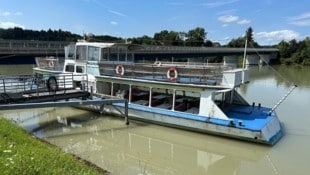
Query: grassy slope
(21, 153)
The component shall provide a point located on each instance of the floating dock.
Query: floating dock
(59, 90)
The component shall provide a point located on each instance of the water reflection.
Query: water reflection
(139, 148)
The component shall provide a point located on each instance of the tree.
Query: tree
(249, 34)
(196, 37)
(166, 38)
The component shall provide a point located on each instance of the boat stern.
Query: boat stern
(273, 130)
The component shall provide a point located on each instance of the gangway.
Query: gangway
(53, 90)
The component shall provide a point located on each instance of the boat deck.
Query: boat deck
(252, 117)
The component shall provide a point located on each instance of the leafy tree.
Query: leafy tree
(196, 37)
(249, 34)
(142, 40)
(166, 38)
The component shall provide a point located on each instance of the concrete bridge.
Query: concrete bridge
(28, 48)
(254, 55)
(31, 48)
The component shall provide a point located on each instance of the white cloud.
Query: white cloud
(117, 13)
(244, 21)
(300, 20)
(18, 13)
(7, 25)
(228, 18)
(219, 3)
(5, 13)
(114, 23)
(301, 23)
(301, 16)
(276, 36)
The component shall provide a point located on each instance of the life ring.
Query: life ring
(172, 74)
(119, 70)
(157, 63)
(51, 63)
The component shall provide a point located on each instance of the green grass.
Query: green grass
(21, 153)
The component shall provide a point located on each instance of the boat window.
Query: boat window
(122, 54)
(113, 54)
(80, 69)
(105, 54)
(93, 53)
(130, 57)
(69, 51)
(92, 70)
(81, 52)
(69, 68)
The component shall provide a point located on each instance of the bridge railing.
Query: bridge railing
(31, 47)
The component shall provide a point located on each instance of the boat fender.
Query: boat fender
(119, 70)
(172, 74)
(52, 85)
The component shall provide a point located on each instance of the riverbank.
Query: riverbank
(22, 153)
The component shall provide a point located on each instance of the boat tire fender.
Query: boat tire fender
(52, 85)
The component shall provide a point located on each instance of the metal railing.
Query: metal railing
(32, 47)
(26, 84)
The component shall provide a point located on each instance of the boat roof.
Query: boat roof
(108, 45)
(95, 44)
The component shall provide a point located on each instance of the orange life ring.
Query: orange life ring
(119, 70)
(172, 74)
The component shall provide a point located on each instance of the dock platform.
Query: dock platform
(29, 91)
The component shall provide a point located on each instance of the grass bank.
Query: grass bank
(22, 153)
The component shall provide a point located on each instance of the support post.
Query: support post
(129, 98)
(173, 99)
(91, 92)
(150, 97)
(126, 112)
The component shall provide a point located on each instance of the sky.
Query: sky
(271, 20)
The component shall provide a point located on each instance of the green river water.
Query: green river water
(143, 148)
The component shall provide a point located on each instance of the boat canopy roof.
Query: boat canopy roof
(107, 45)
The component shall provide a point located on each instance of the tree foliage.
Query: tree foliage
(240, 42)
(290, 52)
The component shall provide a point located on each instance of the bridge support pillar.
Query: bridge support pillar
(252, 60)
(230, 60)
(264, 58)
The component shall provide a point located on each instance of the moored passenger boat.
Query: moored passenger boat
(194, 96)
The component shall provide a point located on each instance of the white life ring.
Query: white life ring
(157, 63)
(51, 63)
(119, 70)
(172, 74)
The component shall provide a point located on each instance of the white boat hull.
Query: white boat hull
(270, 134)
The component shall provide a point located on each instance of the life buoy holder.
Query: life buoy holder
(119, 70)
(172, 74)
